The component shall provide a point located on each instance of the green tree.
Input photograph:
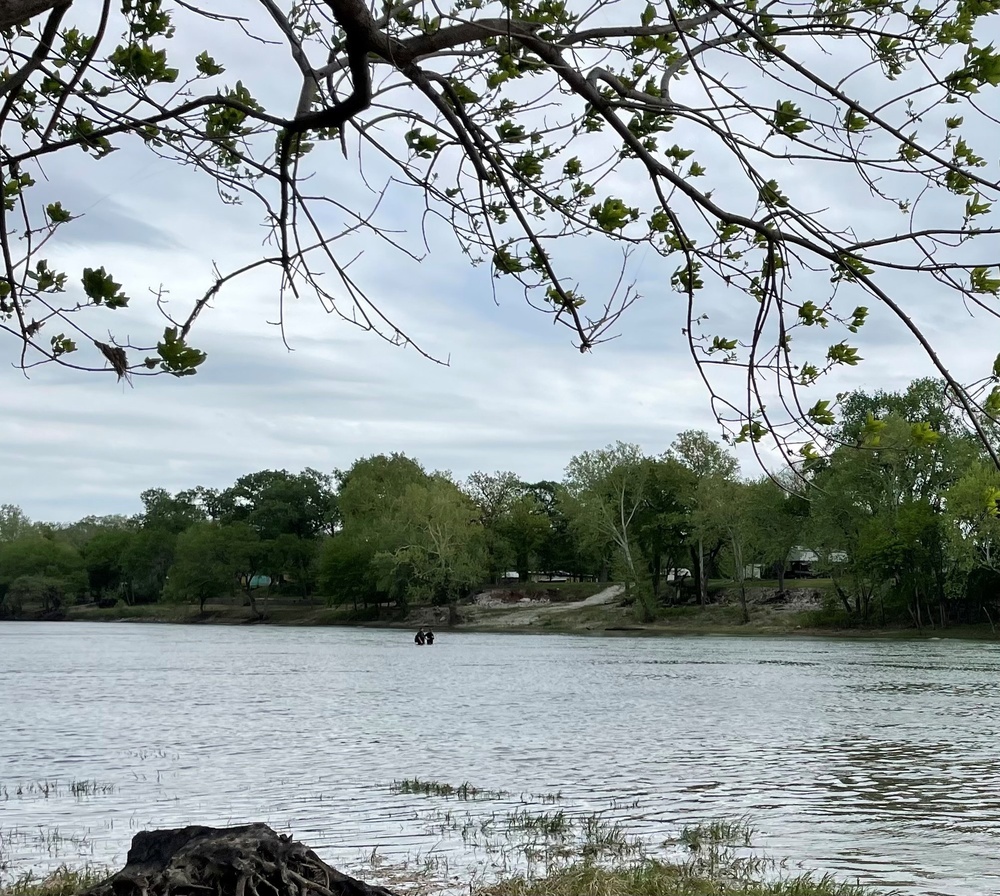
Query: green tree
(439, 551)
(373, 484)
(104, 556)
(293, 561)
(45, 591)
(345, 571)
(145, 563)
(779, 511)
(201, 570)
(495, 495)
(727, 507)
(609, 486)
(43, 558)
(562, 550)
(663, 523)
(214, 559)
(172, 513)
(710, 465)
(452, 101)
(276, 502)
(14, 523)
(525, 529)
(878, 516)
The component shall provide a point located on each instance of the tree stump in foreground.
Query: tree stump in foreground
(250, 860)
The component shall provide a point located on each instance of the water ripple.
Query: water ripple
(872, 760)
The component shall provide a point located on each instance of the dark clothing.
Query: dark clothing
(430, 637)
(419, 637)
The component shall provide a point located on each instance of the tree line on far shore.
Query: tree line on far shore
(901, 514)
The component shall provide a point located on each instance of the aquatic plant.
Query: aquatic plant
(607, 838)
(653, 877)
(464, 791)
(548, 824)
(63, 881)
(722, 832)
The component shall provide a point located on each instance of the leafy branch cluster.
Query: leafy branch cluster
(695, 129)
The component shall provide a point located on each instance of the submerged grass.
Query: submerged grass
(44, 790)
(555, 853)
(464, 791)
(61, 882)
(654, 877)
(607, 838)
(723, 832)
(547, 824)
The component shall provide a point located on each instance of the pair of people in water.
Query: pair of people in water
(423, 637)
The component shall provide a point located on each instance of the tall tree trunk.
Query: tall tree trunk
(702, 583)
(743, 601)
(843, 597)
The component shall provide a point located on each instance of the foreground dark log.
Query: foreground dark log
(250, 860)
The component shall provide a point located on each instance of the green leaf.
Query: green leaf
(101, 289)
(808, 374)
(982, 283)
(57, 214)
(648, 14)
(788, 118)
(751, 432)
(821, 414)
(808, 452)
(858, 320)
(976, 206)
(851, 267)
(421, 144)
(505, 262)
(923, 434)
(62, 345)
(770, 194)
(140, 63)
(176, 356)
(509, 132)
(842, 353)
(613, 214)
(855, 122)
(992, 404)
(810, 313)
(871, 432)
(659, 222)
(206, 65)
(721, 344)
(982, 66)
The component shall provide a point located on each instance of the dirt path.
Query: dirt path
(520, 615)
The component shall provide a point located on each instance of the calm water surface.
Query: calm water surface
(874, 760)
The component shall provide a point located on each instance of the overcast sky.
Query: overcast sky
(515, 395)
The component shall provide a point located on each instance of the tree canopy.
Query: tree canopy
(902, 521)
(694, 131)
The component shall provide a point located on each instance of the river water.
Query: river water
(874, 760)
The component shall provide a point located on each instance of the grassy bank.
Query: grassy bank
(566, 857)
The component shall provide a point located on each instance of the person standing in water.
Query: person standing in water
(419, 638)
(429, 636)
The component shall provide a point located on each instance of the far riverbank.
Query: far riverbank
(607, 612)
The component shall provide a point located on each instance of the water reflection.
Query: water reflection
(870, 759)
